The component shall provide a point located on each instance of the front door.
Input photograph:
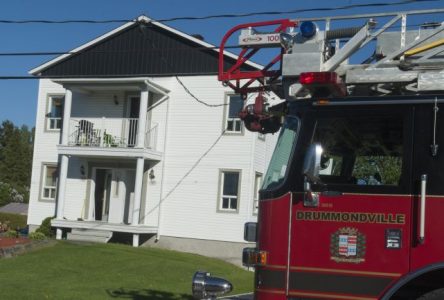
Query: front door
(355, 242)
(102, 194)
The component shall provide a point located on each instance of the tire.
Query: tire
(433, 295)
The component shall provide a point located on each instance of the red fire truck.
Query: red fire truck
(352, 204)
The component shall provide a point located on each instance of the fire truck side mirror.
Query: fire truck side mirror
(312, 163)
(250, 232)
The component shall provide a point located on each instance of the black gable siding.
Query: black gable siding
(140, 50)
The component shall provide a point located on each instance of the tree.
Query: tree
(16, 145)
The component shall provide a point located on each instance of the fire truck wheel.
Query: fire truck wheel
(433, 295)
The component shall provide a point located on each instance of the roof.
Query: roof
(142, 47)
(15, 208)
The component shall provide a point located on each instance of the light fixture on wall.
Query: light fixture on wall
(82, 170)
(116, 101)
(151, 175)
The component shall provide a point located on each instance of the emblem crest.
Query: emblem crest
(347, 245)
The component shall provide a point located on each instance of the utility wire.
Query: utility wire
(221, 16)
(195, 98)
(49, 53)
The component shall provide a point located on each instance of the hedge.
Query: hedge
(14, 220)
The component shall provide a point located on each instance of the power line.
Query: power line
(220, 16)
(49, 53)
(195, 98)
(320, 9)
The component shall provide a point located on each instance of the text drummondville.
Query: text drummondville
(352, 217)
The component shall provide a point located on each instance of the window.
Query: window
(55, 113)
(282, 153)
(361, 150)
(233, 122)
(49, 182)
(257, 186)
(229, 198)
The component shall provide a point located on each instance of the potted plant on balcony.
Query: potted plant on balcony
(108, 139)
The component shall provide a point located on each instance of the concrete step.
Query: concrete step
(87, 235)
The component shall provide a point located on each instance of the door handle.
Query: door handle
(422, 209)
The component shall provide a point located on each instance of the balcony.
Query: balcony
(109, 132)
(112, 137)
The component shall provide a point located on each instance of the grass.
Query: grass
(111, 271)
(14, 220)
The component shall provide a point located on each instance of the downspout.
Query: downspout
(252, 176)
(252, 172)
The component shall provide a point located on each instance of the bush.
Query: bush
(37, 236)
(11, 234)
(45, 228)
(12, 221)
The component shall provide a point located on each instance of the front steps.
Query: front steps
(89, 235)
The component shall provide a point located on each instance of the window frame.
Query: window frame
(226, 118)
(407, 114)
(44, 171)
(48, 117)
(221, 187)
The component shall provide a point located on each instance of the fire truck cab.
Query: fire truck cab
(352, 204)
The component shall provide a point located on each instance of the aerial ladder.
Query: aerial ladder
(382, 54)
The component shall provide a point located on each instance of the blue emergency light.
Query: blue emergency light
(308, 29)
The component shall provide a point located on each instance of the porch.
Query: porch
(98, 231)
(104, 226)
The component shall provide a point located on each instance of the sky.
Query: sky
(19, 97)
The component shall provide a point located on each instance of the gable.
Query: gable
(142, 49)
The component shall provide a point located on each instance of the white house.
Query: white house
(123, 148)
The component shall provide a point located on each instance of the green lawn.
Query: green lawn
(111, 271)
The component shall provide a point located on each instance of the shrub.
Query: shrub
(37, 236)
(11, 234)
(45, 228)
(12, 220)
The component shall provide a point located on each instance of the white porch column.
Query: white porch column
(137, 197)
(65, 160)
(61, 192)
(66, 116)
(142, 118)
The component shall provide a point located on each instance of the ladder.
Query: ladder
(373, 54)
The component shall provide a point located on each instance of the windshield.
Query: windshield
(281, 155)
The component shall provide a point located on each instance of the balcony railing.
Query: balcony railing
(109, 132)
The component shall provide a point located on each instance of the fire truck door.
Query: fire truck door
(355, 242)
(428, 250)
